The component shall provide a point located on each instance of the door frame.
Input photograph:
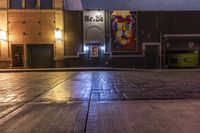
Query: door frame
(144, 44)
(89, 52)
(24, 53)
(29, 52)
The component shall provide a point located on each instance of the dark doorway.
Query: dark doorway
(94, 55)
(40, 56)
(152, 56)
(17, 55)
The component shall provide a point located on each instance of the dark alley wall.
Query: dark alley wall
(180, 22)
(73, 32)
(151, 24)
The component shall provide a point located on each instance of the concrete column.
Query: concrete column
(59, 44)
(58, 4)
(4, 27)
(3, 4)
(38, 4)
(4, 50)
(23, 4)
(53, 3)
(8, 3)
(4, 57)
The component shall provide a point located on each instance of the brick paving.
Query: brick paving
(100, 101)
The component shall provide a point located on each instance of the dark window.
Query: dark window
(16, 4)
(31, 4)
(46, 4)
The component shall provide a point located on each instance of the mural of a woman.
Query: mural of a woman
(123, 31)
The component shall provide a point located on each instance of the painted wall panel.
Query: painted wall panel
(123, 31)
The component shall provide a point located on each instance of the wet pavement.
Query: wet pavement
(100, 101)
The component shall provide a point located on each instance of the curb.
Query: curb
(94, 69)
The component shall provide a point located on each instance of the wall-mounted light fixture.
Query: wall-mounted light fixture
(103, 48)
(58, 34)
(3, 35)
(85, 48)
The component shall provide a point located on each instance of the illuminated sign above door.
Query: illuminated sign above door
(96, 18)
(94, 26)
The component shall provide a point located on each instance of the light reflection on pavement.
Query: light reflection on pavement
(99, 101)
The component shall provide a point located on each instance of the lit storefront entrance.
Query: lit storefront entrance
(94, 55)
(40, 56)
(94, 36)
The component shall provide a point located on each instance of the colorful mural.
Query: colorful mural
(123, 24)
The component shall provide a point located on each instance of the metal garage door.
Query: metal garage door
(40, 56)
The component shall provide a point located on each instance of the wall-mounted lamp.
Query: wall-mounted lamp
(58, 34)
(3, 35)
(85, 48)
(103, 48)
